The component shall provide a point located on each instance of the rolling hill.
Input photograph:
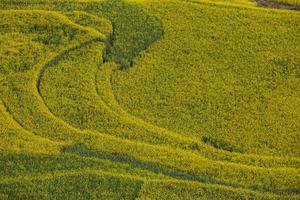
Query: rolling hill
(148, 99)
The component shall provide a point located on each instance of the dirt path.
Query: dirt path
(276, 5)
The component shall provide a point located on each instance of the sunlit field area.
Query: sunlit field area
(150, 99)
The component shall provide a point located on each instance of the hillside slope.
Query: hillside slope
(148, 99)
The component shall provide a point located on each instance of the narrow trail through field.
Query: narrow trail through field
(55, 60)
(19, 125)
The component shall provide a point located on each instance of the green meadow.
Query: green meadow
(149, 99)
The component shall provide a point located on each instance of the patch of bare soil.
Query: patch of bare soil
(277, 5)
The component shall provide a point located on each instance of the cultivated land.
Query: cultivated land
(148, 99)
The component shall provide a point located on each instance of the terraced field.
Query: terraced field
(148, 99)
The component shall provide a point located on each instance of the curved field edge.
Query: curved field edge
(16, 139)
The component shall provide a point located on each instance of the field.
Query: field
(149, 99)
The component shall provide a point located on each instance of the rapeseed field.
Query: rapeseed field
(149, 99)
